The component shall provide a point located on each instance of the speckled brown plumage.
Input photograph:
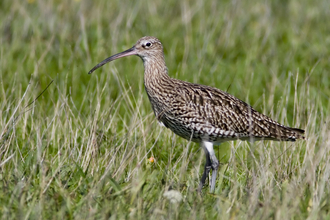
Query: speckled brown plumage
(200, 113)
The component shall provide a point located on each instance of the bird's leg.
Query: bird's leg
(207, 168)
(212, 160)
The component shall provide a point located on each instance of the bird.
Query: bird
(200, 113)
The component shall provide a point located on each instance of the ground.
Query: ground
(89, 146)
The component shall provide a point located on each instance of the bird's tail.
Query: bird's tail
(289, 134)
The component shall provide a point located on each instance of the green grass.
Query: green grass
(81, 150)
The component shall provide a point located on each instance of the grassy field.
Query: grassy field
(80, 148)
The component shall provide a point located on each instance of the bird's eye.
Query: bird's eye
(148, 44)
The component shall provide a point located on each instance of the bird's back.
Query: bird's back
(197, 112)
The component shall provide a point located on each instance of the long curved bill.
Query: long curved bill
(126, 53)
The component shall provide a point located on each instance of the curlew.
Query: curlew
(200, 113)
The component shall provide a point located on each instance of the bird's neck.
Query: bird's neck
(155, 72)
(157, 83)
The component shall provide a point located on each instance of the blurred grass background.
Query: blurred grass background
(81, 150)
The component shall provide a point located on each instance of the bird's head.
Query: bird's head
(147, 48)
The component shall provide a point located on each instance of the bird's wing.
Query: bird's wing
(209, 106)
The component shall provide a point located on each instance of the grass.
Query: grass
(80, 150)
